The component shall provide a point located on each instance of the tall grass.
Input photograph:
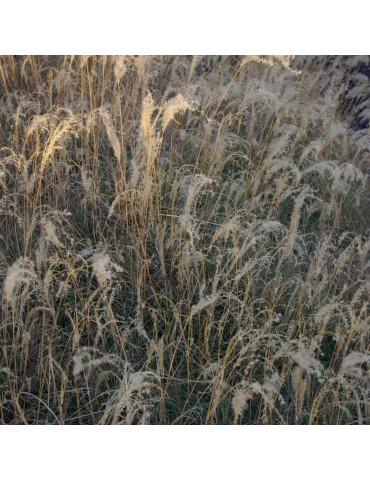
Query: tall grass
(184, 240)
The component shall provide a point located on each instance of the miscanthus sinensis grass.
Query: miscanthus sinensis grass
(184, 240)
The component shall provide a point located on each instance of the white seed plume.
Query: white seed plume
(174, 106)
(352, 364)
(87, 182)
(308, 363)
(21, 272)
(111, 132)
(203, 303)
(104, 267)
(51, 234)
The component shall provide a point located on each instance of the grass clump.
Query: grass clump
(184, 240)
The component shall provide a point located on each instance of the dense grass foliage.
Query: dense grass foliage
(184, 240)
